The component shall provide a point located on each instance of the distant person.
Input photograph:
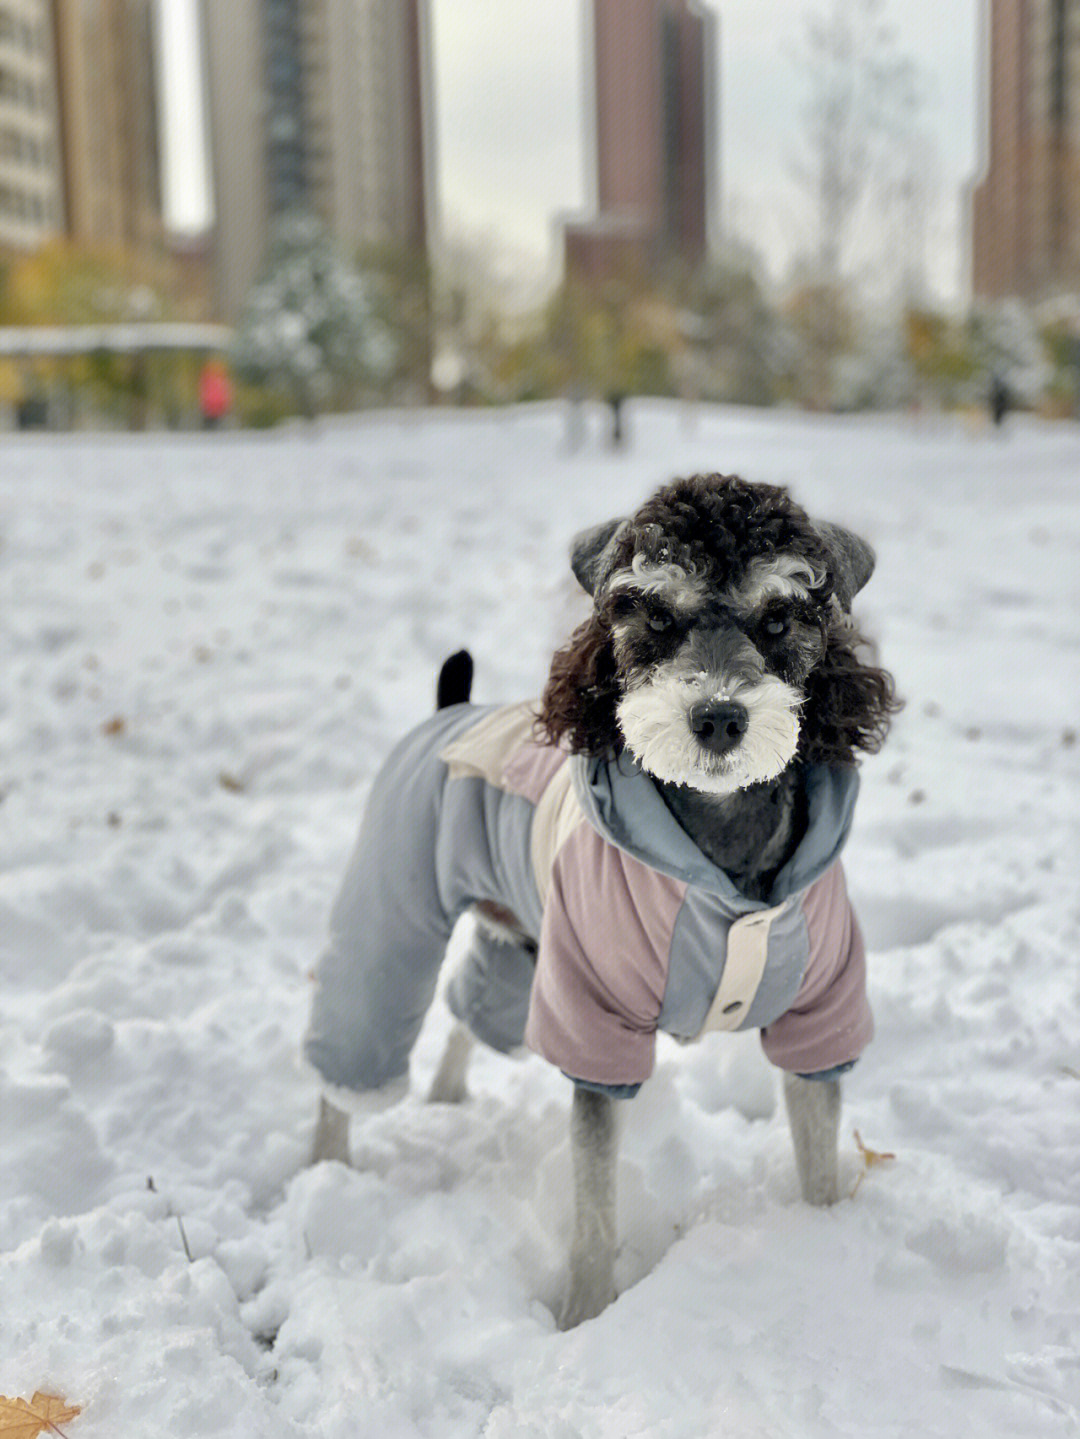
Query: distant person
(618, 429)
(32, 411)
(215, 394)
(999, 400)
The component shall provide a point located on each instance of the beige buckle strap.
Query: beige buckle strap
(747, 952)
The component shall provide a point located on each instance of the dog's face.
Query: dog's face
(711, 680)
(718, 596)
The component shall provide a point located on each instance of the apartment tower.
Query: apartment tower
(320, 105)
(654, 117)
(1026, 221)
(31, 190)
(105, 66)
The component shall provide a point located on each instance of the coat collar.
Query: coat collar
(622, 803)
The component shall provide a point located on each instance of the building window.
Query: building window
(1058, 66)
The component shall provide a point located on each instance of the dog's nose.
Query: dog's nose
(718, 724)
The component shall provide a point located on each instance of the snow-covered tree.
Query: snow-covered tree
(309, 324)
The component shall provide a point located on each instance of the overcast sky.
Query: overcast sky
(510, 93)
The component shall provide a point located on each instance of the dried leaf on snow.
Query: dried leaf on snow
(870, 1157)
(22, 1420)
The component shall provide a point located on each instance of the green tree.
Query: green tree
(400, 281)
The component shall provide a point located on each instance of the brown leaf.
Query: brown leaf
(20, 1420)
(231, 782)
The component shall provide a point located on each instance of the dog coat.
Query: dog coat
(636, 930)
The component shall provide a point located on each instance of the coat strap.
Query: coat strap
(747, 953)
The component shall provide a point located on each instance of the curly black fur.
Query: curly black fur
(716, 525)
(849, 702)
(577, 707)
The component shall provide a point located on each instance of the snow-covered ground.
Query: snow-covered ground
(207, 644)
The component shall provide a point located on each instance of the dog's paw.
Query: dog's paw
(445, 1090)
(587, 1295)
(822, 1190)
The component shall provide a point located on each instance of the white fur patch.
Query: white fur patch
(655, 722)
(681, 588)
(786, 576)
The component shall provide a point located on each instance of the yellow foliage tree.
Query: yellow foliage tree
(66, 284)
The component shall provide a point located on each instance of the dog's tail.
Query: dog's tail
(455, 680)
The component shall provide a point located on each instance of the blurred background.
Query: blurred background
(232, 212)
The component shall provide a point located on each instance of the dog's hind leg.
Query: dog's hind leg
(331, 1134)
(594, 1145)
(448, 1086)
(488, 995)
(813, 1107)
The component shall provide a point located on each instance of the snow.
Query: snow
(208, 642)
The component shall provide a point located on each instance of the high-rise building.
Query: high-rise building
(654, 67)
(1026, 220)
(315, 104)
(108, 121)
(31, 192)
(78, 123)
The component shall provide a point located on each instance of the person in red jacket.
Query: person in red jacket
(215, 394)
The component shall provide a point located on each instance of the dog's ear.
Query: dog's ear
(852, 561)
(592, 554)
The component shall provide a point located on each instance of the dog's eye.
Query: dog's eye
(660, 622)
(776, 627)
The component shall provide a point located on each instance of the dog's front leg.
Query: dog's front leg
(593, 1146)
(813, 1107)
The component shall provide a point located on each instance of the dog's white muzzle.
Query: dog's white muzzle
(655, 721)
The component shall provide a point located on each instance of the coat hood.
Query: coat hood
(623, 804)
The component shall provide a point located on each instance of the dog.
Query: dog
(656, 846)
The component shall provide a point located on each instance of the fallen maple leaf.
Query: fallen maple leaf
(20, 1420)
(870, 1157)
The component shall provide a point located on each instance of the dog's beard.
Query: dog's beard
(655, 721)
